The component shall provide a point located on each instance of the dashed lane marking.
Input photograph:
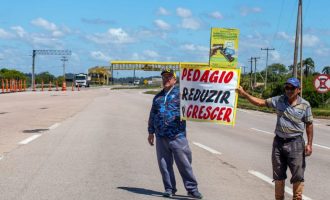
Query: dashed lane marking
(270, 181)
(206, 148)
(29, 139)
(262, 131)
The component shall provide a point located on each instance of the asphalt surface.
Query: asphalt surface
(97, 149)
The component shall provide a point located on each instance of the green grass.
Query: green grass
(135, 87)
(323, 112)
(317, 112)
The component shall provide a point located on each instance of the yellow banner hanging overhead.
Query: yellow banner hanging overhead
(224, 48)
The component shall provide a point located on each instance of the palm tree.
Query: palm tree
(326, 70)
(309, 66)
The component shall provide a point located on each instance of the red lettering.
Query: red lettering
(213, 116)
(194, 114)
(197, 74)
(200, 113)
(214, 77)
(220, 113)
(207, 114)
(221, 76)
(189, 74)
(228, 77)
(189, 110)
(205, 76)
(227, 115)
(184, 73)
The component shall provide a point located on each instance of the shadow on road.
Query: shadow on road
(152, 193)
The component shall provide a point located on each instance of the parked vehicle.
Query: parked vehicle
(81, 80)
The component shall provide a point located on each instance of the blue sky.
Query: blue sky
(99, 31)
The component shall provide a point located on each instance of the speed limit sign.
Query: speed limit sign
(322, 83)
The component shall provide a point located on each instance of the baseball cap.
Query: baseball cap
(294, 82)
(168, 71)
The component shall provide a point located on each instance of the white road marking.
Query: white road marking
(262, 131)
(1, 157)
(321, 146)
(241, 110)
(207, 148)
(270, 181)
(54, 126)
(29, 139)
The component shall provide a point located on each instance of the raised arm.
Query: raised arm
(254, 100)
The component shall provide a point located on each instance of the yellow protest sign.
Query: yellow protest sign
(224, 48)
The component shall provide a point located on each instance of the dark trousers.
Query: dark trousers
(289, 152)
(179, 151)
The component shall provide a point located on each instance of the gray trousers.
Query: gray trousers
(179, 151)
(290, 152)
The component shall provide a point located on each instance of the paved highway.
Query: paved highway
(100, 151)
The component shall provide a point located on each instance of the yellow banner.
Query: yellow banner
(224, 48)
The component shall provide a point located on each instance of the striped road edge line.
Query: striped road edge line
(270, 181)
(321, 146)
(54, 126)
(29, 139)
(206, 148)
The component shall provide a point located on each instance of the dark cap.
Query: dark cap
(170, 71)
(294, 82)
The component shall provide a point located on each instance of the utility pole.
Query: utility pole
(301, 45)
(251, 60)
(32, 77)
(267, 49)
(64, 59)
(296, 46)
(255, 70)
(244, 67)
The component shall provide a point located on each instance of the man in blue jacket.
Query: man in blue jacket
(171, 142)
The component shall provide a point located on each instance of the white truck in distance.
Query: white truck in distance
(81, 80)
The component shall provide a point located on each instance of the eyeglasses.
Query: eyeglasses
(164, 77)
(289, 88)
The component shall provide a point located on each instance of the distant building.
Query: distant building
(100, 75)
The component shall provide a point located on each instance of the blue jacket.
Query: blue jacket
(164, 119)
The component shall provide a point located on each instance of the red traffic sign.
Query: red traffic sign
(322, 83)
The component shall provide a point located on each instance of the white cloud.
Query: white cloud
(151, 54)
(19, 31)
(275, 56)
(310, 40)
(244, 11)
(190, 23)
(98, 55)
(322, 51)
(193, 47)
(112, 36)
(184, 13)
(162, 25)
(136, 56)
(284, 36)
(5, 35)
(216, 15)
(163, 11)
(49, 26)
(44, 24)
